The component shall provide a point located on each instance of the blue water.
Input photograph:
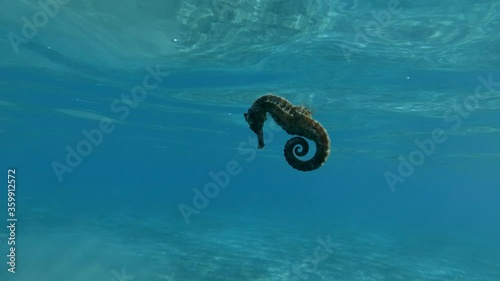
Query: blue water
(108, 188)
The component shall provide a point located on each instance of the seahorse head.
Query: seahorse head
(255, 120)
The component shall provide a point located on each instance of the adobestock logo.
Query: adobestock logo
(373, 28)
(48, 9)
(221, 179)
(310, 264)
(93, 138)
(427, 147)
(121, 276)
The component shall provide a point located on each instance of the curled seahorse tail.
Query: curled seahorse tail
(298, 147)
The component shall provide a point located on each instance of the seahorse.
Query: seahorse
(295, 120)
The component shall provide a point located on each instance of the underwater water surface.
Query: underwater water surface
(126, 154)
